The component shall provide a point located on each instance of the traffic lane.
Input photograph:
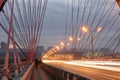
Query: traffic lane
(93, 73)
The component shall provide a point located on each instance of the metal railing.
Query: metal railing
(59, 74)
(27, 74)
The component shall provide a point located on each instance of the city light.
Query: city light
(85, 29)
(61, 47)
(57, 47)
(78, 39)
(53, 49)
(99, 29)
(68, 44)
(70, 38)
(62, 43)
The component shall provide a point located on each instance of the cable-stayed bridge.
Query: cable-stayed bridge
(89, 47)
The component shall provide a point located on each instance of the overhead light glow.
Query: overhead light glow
(85, 29)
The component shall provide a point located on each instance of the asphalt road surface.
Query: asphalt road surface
(92, 73)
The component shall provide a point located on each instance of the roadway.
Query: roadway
(90, 72)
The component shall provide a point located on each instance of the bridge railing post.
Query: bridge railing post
(64, 75)
(81, 78)
(60, 74)
(70, 76)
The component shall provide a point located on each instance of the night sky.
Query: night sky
(54, 25)
(53, 31)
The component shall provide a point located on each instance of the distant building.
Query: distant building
(50, 47)
(39, 51)
(3, 46)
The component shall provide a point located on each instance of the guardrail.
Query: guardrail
(27, 74)
(59, 74)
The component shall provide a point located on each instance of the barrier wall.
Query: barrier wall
(27, 74)
(59, 74)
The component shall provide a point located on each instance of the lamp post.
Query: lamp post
(62, 45)
(74, 41)
(92, 46)
(85, 29)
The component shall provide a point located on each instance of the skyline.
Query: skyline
(53, 31)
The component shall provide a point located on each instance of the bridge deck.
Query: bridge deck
(39, 74)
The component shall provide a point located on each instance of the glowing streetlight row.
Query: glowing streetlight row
(71, 39)
(54, 50)
(62, 45)
(85, 29)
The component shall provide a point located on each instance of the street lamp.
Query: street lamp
(70, 39)
(99, 29)
(62, 43)
(57, 47)
(68, 44)
(74, 42)
(85, 29)
(78, 39)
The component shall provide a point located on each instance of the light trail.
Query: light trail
(106, 65)
(48, 61)
(112, 63)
